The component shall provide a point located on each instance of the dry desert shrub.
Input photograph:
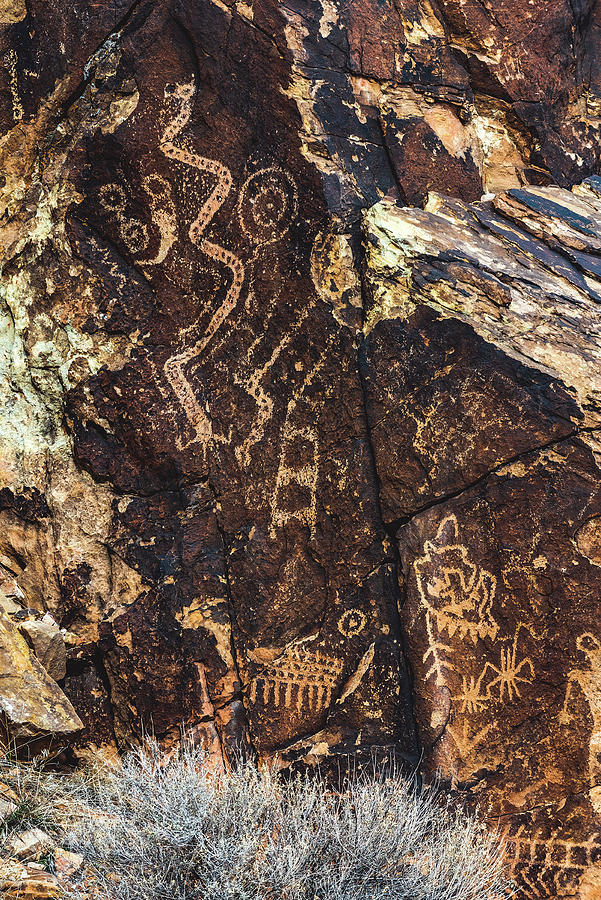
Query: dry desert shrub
(173, 830)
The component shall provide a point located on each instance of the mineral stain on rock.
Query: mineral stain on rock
(298, 437)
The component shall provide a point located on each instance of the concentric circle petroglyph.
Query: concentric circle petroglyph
(267, 205)
(352, 622)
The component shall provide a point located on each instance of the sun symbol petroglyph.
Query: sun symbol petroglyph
(352, 622)
(456, 597)
(183, 94)
(589, 681)
(300, 678)
(510, 671)
(267, 205)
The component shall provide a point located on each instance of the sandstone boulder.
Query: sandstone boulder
(47, 643)
(31, 702)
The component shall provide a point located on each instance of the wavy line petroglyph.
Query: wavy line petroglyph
(18, 111)
(174, 367)
(254, 387)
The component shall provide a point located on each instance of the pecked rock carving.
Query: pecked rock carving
(485, 431)
(299, 441)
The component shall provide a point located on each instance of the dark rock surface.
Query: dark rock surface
(238, 434)
(481, 370)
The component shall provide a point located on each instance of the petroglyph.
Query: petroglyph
(303, 679)
(352, 622)
(134, 234)
(511, 671)
(267, 204)
(299, 461)
(18, 111)
(456, 597)
(589, 681)
(466, 738)
(12, 11)
(540, 863)
(253, 385)
(164, 216)
(472, 698)
(183, 94)
(290, 473)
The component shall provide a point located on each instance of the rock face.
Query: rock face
(238, 433)
(482, 374)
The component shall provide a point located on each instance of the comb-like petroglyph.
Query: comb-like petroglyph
(301, 678)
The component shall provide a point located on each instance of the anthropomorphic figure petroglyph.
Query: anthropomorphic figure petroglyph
(589, 681)
(456, 597)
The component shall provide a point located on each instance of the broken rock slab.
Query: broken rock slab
(481, 362)
(31, 701)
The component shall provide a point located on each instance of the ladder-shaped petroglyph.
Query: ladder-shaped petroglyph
(183, 94)
(550, 866)
(300, 679)
(588, 680)
(298, 467)
(456, 597)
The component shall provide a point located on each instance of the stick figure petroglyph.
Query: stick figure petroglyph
(510, 671)
(589, 682)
